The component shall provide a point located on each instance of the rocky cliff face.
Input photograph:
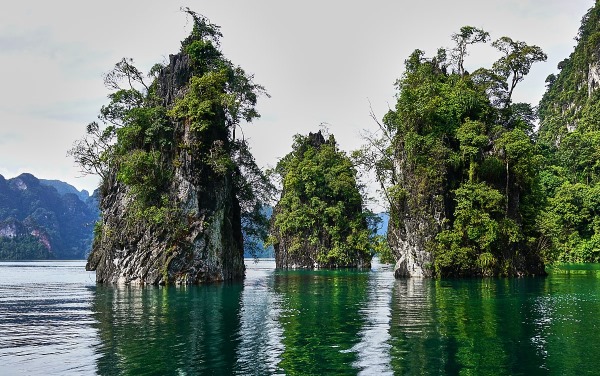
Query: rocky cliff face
(571, 100)
(201, 238)
(415, 219)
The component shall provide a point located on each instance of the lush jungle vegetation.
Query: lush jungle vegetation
(456, 142)
(319, 219)
(569, 136)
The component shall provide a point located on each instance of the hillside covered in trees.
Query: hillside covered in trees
(42, 219)
(569, 137)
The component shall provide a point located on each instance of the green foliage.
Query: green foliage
(321, 207)
(382, 249)
(473, 139)
(516, 62)
(568, 102)
(98, 228)
(456, 143)
(136, 144)
(202, 104)
(26, 247)
(479, 235)
(579, 154)
(572, 223)
(570, 136)
(468, 35)
(142, 171)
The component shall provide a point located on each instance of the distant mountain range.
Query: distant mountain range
(50, 219)
(45, 219)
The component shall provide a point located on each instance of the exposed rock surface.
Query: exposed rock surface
(571, 99)
(414, 221)
(203, 244)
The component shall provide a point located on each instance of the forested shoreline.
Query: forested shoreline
(475, 183)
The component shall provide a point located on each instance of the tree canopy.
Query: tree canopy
(455, 142)
(319, 218)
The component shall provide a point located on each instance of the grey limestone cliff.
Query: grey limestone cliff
(201, 239)
(415, 219)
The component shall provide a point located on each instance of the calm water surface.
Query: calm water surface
(54, 320)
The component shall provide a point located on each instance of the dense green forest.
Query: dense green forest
(23, 247)
(569, 137)
(319, 219)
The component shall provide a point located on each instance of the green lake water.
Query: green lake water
(55, 320)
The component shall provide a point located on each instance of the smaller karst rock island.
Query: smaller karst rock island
(474, 183)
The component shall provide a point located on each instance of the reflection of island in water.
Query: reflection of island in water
(453, 326)
(167, 330)
(277, 322)
(227, 328)
(348, 322)
(320, 319)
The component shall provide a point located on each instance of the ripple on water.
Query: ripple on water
(46, 320)
(373, 348)
(54, 320)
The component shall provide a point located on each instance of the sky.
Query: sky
(322, 62)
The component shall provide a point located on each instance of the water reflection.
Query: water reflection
(55, 320)
(320, 319)
(184, 330)
(466, 326)
(566, 329)
(45, 319)
(260, 348)
(373, 350)
(276, 322)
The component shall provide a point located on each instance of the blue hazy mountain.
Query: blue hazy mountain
(45, 219)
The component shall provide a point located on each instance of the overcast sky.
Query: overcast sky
(321, 62)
